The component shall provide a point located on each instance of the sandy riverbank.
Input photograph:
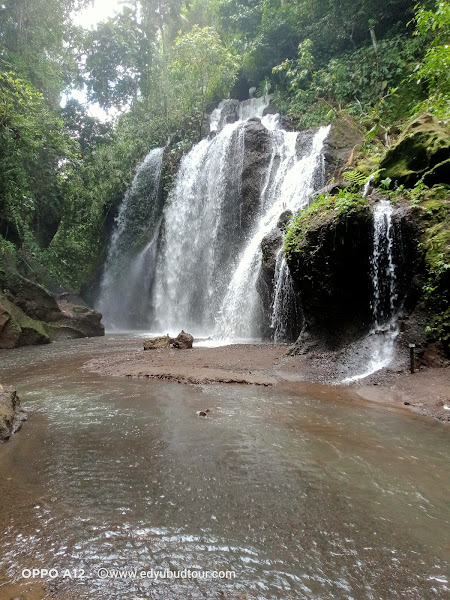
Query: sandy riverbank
(426, 392)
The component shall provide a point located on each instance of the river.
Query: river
(296, 496)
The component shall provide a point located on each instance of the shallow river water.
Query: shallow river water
(300, 496)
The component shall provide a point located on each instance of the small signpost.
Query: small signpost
(411, 357)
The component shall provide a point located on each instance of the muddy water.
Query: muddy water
(302, 497)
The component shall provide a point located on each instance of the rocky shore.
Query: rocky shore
(426, 392)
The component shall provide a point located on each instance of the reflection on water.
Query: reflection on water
(302, 497)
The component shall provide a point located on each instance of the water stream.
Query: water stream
(303, 494)
(380, 343)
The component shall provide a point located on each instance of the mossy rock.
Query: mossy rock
(432, 217)
(17, 329)
(328, 249)
(421, 151)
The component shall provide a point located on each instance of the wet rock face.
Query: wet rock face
(332, 271)
(422, 150)
(11, 414)
(284, 219)
(270, 246)
(265, 284)
(345, 138)
(257, 151)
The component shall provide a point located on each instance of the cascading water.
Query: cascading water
(290, 181)
(384, 305)
(284, 306)
(210, 260)
(130, 264)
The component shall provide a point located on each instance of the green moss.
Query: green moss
(79, 309)
(419, 151)
(323, 210)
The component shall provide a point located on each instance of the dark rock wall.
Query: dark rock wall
(331, 270)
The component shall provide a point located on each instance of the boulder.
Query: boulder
(75, 320)
(17, 329)
(11, 415)
(30, 315)
(421, 151)
(329, 256)
(284, 219)
(157, 342)
(183, 341)
(33, 299)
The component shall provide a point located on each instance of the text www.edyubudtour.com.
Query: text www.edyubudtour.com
(104, 573)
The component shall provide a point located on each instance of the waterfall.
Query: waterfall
(202, 225)
(290, 181)
(384, 282)
(210, 258)
(284, 306)
(130, 264)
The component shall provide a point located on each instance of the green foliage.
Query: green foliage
(201, 69)
(355, 177)
(36, 41)
(366, 81)
(119, 55)
(436, 244)
(434, 70)
(324, 208)
(32, 145)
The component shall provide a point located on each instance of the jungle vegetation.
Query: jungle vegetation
(157, 66)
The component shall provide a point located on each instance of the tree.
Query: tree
(434, 70)
(33, 147)
(36, 42)
(201, 69)
(119, 55)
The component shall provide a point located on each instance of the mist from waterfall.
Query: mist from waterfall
(380, 343)
(130, 264)
(209, 262)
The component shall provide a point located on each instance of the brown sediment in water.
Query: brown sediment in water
(426, 392)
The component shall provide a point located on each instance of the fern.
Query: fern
(355, 177)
